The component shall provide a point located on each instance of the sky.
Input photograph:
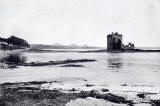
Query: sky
(81, 21)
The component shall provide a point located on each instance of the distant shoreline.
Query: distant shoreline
(83, 51)
(91, 51)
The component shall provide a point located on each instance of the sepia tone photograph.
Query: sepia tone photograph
(79, 52)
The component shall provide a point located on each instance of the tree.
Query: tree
(18, 42)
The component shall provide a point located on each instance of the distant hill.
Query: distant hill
(60, 46)
(148, 48)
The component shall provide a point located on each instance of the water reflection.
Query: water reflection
(115, 61)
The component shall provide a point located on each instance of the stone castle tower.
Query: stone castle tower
(114, 42)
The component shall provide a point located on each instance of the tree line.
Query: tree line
(14, 42)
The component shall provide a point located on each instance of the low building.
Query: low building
(130, 46)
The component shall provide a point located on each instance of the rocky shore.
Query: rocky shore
(32, 94)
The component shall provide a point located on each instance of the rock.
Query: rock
(36, 82)
(104, 90)
(141, 95)
(155, 102)
(89, 85)
(73, 89)
(108, 97)
(12, 66)
(124, 85)
(115, 99)
(72, 65)
(27, 88)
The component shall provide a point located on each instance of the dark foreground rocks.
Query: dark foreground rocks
(31, 94)
(155, 102)
(19, 94)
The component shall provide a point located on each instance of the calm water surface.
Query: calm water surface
(113, 69)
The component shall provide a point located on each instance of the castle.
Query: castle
(114, 43)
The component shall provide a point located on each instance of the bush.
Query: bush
(15, 58)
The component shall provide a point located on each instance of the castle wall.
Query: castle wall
(109, 43)
(114, 42)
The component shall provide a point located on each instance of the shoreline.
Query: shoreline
(32, 93)
(92, 51)
(82, 51)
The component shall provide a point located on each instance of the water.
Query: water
(110, 69)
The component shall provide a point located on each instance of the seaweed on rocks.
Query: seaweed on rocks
(141, 95)
(24, 95)
(104, 90)
(58, 62)
(89, 85)
(108, 96)
(155, 102)
(72, 65)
